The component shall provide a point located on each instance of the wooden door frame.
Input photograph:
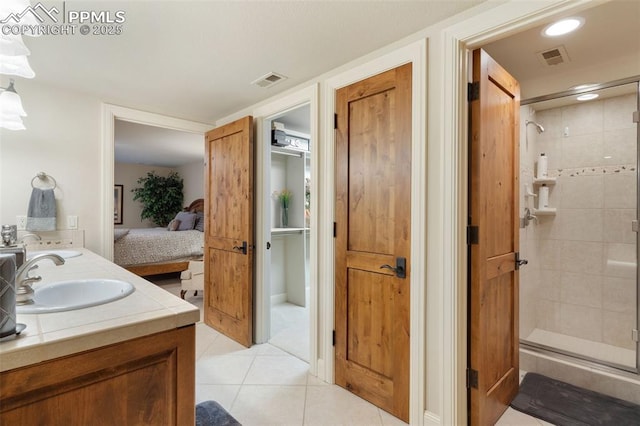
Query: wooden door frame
(415, 53)
(453, 48)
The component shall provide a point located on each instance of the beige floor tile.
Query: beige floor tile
(269, 405)
(277, 370)
(222, 394)
(222, 370)
(226, 346)
(332, 405)
(389, 420)
(513, 417)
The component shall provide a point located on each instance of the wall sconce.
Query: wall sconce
(13, 57)
(11, 111)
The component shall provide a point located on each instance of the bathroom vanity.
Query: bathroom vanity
(131, 361)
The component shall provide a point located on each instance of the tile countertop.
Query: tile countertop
(148, 310)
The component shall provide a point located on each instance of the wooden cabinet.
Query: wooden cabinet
(144, 381)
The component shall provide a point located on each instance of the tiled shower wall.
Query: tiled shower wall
(580, 280)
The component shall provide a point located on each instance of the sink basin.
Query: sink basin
(75, 294)
(65, 254)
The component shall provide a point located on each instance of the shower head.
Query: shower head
(539, 127)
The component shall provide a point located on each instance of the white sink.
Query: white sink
(75, 294)
(65, 254)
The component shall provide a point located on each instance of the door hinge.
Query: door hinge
(335, 230)
(333, 338)
(636, 116)
(473, 236)
(472, 378)
(634, 335)
(335, 121)
(473, 91)
(520, 262)
(634, 225)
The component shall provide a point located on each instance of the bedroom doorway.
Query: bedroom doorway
(287, 212)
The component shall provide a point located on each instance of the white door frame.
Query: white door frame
(262, 295)
(415, 53)
(111, 113)
(452, 49)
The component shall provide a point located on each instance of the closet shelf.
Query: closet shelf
(280, 231)
(546, 181)
(551, 211)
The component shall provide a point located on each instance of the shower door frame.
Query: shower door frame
(567, 355)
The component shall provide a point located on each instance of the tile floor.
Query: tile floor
(264, 385)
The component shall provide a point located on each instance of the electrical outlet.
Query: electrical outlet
(72, 222)
(21, 223)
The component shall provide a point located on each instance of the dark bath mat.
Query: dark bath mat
(210, 413)
(564, 404)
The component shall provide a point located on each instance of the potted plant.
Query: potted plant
(161, 197)
(285, 198)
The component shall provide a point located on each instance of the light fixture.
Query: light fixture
(562, 27)
(11, 110)
(587, 97)
(13, 46)
(16, 65)
(584, 86)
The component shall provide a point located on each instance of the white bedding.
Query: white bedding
(155, 245)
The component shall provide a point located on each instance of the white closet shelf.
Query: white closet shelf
(546, 181)
(551, 211)
(277, 231)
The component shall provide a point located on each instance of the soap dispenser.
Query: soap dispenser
(7, 295)
(8, 245)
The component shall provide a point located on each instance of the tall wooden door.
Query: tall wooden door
(229, 238)
(373, 230)
(493, 207)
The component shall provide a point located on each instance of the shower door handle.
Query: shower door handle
(520, 262)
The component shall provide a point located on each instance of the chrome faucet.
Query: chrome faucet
(24, 292)
(528, 217)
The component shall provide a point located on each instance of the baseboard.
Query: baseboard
(431, 419)
(278, 298)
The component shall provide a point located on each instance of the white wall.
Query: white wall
(63, 140)
(128, 175)
(193, 176)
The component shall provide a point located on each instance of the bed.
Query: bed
(152, 251)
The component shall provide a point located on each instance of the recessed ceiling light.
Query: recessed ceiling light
(562, 27)
(587, 97)
(584, 86)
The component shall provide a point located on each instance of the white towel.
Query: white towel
(41, 215)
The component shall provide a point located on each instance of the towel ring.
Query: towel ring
(43, 177)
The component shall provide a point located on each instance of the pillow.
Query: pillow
(187, 221)
(119, 233)
(173, 225)
(199, 221)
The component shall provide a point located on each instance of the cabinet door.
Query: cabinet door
(145, 381)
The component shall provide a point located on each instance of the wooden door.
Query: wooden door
(494, 198)
(373, 229)
(229, 238)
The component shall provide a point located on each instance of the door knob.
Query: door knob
(242, 248)
(520, 262)
(400, 269)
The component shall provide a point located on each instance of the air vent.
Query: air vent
(269, 79)
(556, 56)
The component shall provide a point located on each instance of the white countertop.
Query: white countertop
(148, 310)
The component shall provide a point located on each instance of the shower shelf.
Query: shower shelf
(546, 180)
(545, 212)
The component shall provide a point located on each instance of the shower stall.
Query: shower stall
(579, 208)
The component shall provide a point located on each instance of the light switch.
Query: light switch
(72, 222)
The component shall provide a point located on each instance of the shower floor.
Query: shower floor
(596, 350)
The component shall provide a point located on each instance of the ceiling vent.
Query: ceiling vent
(556, 56)
(269, 79)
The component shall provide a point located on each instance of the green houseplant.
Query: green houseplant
(161, 197)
